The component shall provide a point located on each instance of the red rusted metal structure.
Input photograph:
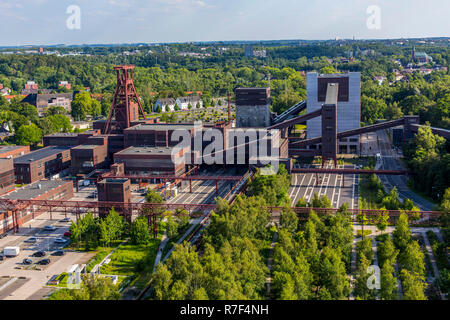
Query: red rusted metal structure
(126, 105)
(22, 208)
(349, 171)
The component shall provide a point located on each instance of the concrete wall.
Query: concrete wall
(348, 113)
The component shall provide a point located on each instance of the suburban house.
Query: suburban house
(163, 103)
(183, 102)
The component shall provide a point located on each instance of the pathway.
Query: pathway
(270, 262)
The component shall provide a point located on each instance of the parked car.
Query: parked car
(27, 261)
(60, 240)
(31, 240)
(39, 254)
(49, 228)
(11, 251)
(67, 234)
(59, 253)
(44, 262)
(65, 220)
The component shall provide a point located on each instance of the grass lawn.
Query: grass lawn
(124, 259)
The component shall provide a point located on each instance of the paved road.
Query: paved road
(203, 192)
(304, 186)
(391, 161)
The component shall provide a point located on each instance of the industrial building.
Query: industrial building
(69, 138)
(348, 112)
(41, 164)
(13, 151)
(154, 135)
(151, 160)
(253, 107)
(6, 175)
(113, 190)
(87, 157)
(41, 190)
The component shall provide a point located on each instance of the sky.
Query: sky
(45, 22)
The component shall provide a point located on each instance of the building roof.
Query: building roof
(146, 151)
(34, 190)
(4, 149)
(87, 146)
(191, 99)
(114, 180)
(34, 98)
(166, 101)
(161, 126)
(40, 154)
(63, 134)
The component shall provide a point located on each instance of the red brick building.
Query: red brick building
(41, 190)
(6, 175)
(42, 163)
(13, 151)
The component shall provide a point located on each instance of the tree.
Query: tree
(412, 258)
(171, 227)
(362, 219)
(158, 109)
(288, 219)
(153, 197)
(177, 108)
(386, 252)
(162, 280)
(382, 221)
(402, 233)
(413, 286)
(96, 108)
(51, 111)
(388, 282)
(391, 202)
(167, 108)
(116, 224)
(362, 291)
(81, 106)
(28, 135)
(27, 110)
(97, 288)
(332, 274)
(140, 232)
(302, 203)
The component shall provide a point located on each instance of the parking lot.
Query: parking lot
(22, 281)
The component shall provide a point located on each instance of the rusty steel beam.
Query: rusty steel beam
(173, 177)
(9, 205)
(350, 133)
(349, 171)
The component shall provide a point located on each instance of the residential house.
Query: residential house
(184, 102)
(163, 103)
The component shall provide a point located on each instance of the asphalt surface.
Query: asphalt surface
(203, 191)
(304, 186)
(391, 160)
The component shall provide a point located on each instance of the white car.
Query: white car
(60, 240)
(49, 228)
(31, 240)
